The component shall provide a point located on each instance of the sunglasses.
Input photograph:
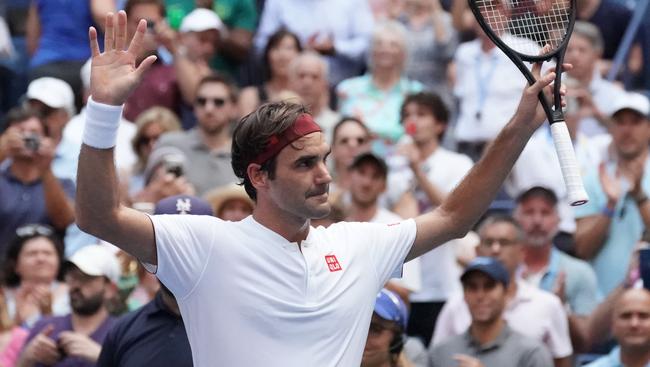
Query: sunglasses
(217, 102)
(33, 230)
(359, 140)
(146, 140)
(488, 242)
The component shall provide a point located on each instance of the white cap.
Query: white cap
(199, 20)
(84, 73)
(53, 92)
(631, 101)
(95, 260)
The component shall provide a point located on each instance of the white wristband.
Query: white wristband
(102, 121)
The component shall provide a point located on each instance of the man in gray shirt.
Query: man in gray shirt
(489, 341)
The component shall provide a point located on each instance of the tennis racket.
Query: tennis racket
(536, 31)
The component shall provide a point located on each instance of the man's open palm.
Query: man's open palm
(113, 73)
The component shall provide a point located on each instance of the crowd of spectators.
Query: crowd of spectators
(409, 93)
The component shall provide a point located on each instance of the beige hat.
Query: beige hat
(219, 196)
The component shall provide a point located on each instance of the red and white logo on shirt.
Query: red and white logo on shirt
(332, 263)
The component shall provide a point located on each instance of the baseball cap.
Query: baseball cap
(84, 73)
(389, 306)
(183, 204)
(488, 266)
(96, 260)
(631, 101)
(199, 20)
(53, 92)
(369, 157)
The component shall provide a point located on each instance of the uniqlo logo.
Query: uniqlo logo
(332, 263)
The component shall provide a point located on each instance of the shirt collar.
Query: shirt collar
(158, 306)
(496, 343)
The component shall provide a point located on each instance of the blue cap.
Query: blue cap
(389, 306)
(489, 266)
(183, 204)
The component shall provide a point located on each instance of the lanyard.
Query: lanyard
(483, 80)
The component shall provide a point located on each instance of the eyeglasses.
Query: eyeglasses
(489, 242)
(217, 102)
(33, 230)
(360, 140)
(146, 140)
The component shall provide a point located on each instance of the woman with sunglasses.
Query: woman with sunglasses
(31, 275)
(282, 48)
(350, 137)
(150, 124)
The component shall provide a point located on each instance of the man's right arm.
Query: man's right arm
(114, 76)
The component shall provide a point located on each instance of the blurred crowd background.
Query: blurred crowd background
(408, 93)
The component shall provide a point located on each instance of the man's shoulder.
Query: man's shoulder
(176, 138)
(573, 264)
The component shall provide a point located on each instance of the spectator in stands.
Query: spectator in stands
(155, 334)
(56, 46)
(610, 224)
(207, 146)
(230, 202)
(150, 126)
(29, 190)
(431, 173)
(31, 272)
(377, 96)
(431, 43)
(12, 336)
(308, 75)
(386, 337)
(549, 325)
(593, 93)
(489, 340)
(76, 338)
(631, 329)
(487, 85)
(337, 29)
(350, 137)
(282, 48)
(53, 99)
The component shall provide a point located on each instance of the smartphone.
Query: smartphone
(173, 165)
(644, 267)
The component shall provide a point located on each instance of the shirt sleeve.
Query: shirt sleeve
(537, 357)
(184, 245)
(559, 340)
(444, 324)
(587, 295)
(354, 46)
(245, 15)
(270, 21)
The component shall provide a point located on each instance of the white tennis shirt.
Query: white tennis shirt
(249, 297)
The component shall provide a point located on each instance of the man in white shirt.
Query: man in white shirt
(271, 289)
(530, 311)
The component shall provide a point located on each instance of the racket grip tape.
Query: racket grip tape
(568, 163)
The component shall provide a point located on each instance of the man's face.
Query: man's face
(387, 51)
(485, 297)
(631, 326)
(350, 141)
(151, 13)
(29, 129)
(377, 350)
(235, 210)
(367, 182)
(87, 293)
(630, 133)
(421, 123)
(201, 45)
(500, 241)
(54, 118)
(539, 220)
(581, 54)
(213, 107)
(300, 188)
(308, 81)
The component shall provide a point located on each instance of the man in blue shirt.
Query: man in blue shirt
(155, 334)
(631, 328)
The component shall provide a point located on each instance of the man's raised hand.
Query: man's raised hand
(114, 74)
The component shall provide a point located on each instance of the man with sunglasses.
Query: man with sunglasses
(207, 145)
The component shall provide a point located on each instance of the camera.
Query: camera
(32, 142)
(173, 164)
(151, 26)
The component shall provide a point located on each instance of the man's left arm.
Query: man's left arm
(465, 204)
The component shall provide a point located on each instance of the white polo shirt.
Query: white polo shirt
(249, 297)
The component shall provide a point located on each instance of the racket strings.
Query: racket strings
(527, 25)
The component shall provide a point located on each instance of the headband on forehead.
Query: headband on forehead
(304, 125)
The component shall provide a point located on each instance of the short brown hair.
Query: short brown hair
(252, 135)
(132, 3)
(219, 79)
(22, 113)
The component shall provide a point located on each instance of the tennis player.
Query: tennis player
(270, 290)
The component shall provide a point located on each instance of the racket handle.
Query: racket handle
(568, 163)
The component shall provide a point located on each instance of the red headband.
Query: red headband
(303, 125)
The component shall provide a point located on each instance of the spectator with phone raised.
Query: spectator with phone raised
(29, 190)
